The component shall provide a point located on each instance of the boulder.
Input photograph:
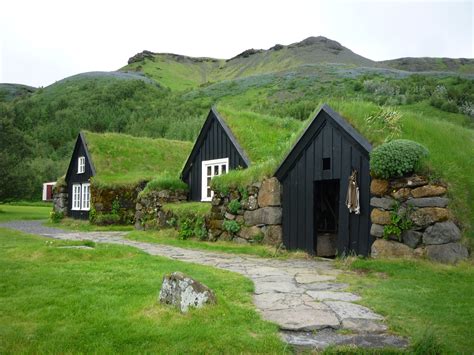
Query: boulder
(226, 236)
(442, 233)
(376, 230)
(382, 248)
(380, 217)
(273, 235)
(412, 238)
(250, 204)
(429, 202)
(265, 215)
(401, 194)
(412, 181)
(250, 233)
(229, 216)
(449, 253)
(379, 187)
(423, 217)
(384, 203)
(428, 191)
(184, 292)
(239, 240)
(216, 224)
(270, 193)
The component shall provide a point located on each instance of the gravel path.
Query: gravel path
(301, 296)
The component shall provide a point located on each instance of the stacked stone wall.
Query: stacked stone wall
(433, 232)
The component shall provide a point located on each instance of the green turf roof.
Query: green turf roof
(262, 137)
(120, 158)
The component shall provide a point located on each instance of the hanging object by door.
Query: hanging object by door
(352, 198)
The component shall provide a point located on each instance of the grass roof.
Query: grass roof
(263, 137)
(123, 159)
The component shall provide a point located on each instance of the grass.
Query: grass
(170, 237)
(104, 300)
(430, 303)
(10, 212)
(120, 158)
(85, 226)
(193, 209)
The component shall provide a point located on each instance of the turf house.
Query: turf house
(312, 210)
(107, 171)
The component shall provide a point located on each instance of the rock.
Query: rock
(382, 248)
(270, 193)
(376, 230)
(401, 194)
(183, 292)
(428, 191)
(384, 203)
(265, 215)
(213, 234)
(138, 206)
(423, 217)
(442, 233)
(449, 253)
(379, 187)
(380, 217)
(302, 318)
(164, 194)
(239, 240)
(226, 236)
(346, 310)
(429, 202)
(420, 252)
(250, 204)
(250, 233)
(273, 235)
(333, 296)
(412, 182)
(216, 200)
(411, 238)
(229, 216)
(364, 325)
(216, 224)
(239, 219)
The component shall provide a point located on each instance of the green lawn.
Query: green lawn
(10, 212)
(104, 300)
(420, 299)
(86, 226)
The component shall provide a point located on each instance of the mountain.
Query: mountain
(313, 54)
(9, 92)
(182, 72)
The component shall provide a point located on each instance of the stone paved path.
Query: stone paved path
(301, 296)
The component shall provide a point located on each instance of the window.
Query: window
(326, 163)
(211, 168)
(76, 197)
(81, 165)
(86, 197)
(81, 197)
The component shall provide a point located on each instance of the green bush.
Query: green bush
(56, 217)
(186, 228)
(399, 222)
(231, 226)
(106, 219)
(397, 158)
(234, 206)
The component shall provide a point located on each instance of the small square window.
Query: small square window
(216, 170)
(81, 165)
(209, 171)
(326, 163)
(223, 168)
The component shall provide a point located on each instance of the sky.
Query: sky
(44, 41)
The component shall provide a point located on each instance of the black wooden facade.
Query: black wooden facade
(323, 158)
(73, 177)
(215, 141)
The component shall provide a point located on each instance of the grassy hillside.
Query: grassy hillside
(461, 65)
(120, 158)
(9, 92)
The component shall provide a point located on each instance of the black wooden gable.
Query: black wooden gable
(215, 141)
(80, 149)
(324, 115)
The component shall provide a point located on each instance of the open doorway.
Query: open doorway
(326, 217)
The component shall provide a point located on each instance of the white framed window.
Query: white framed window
(76, 196)
(81, 165)
(211, 168)
(86, 197)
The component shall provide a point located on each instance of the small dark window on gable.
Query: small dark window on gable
(326, 163)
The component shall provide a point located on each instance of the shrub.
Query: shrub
(234, 206)
(200, 230)
(165, 181)
(399, 222)
(56, 217)
(186, 228)
(397, 158)
(231, 226)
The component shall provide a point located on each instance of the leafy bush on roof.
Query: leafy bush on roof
(397, 158)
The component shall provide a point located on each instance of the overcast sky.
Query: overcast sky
(42, 41)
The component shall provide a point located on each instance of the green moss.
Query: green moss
(124, 159)
(188, 209)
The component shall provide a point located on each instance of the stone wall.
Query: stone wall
(148, 209)
(259, 217)
(60, 199)
(433, 232)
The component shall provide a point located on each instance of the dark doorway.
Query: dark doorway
(326, 217)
